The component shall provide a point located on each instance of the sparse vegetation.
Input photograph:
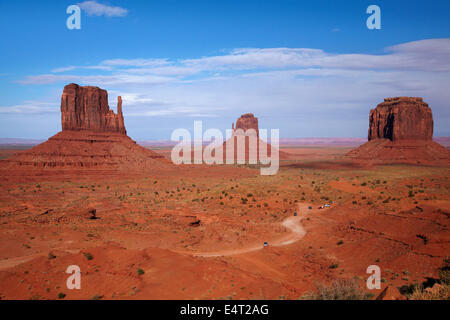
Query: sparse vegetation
(88, 256)
(342, 289)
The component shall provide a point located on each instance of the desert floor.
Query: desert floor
(197, 232)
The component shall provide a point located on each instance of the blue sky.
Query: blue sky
(309, 68)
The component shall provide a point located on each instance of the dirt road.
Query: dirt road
(293, 224)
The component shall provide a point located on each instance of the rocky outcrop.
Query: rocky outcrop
(401, 118)
(92, 137)
(390, 293)
(86, 108)
(401, 131)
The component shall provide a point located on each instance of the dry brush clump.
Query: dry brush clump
(439, 291)
(342, 289)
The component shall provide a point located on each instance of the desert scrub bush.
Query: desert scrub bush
(88, 256)
(444, 276)
(140, 271)
(343, 289)
(437, 293)
(61, 295)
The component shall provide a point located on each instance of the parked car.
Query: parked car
(266, 243)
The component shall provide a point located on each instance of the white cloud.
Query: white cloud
(71, 68)
(425, 55)
(64, 69)
(31, 107)
(93, 8)
(135, 62)
(116, 79)
(307, 91)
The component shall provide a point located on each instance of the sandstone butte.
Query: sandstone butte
(92, 137)
(245, 122)
(401, 131)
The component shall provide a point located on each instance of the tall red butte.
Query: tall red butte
(249, 122)
(92, 137)
(401, 131)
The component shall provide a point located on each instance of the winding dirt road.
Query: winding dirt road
(293, 224)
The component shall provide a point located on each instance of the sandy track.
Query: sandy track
(293, 224)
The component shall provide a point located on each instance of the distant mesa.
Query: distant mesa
(401, 131)
(245, 122)
(92, 137)
(249, 122)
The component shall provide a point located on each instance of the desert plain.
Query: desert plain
(197, 232)
(137, 226)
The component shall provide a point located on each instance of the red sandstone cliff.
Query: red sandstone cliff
(401, 118)
(86, 108)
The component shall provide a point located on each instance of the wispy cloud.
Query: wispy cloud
(93, 8)
(71, 68)
(116, 79)
(425, 55)
(310, 87)
(135, 62)
(31, 107)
